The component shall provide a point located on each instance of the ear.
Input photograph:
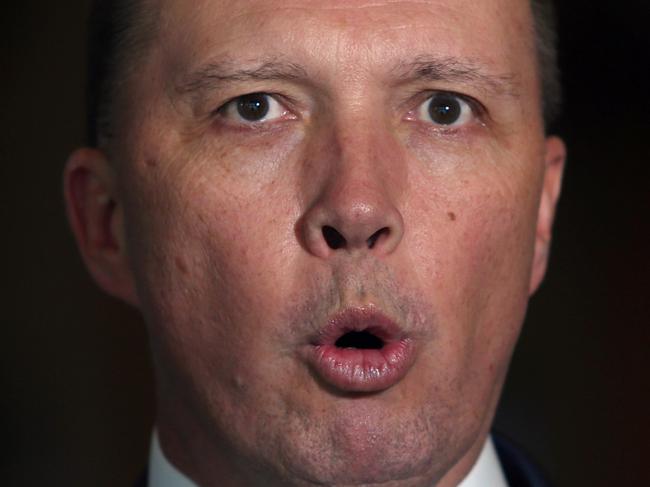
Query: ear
(96, 217)
(553, 170)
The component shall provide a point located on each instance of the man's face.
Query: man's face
(385, 178)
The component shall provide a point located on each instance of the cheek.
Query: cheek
(208, 253)
(478, 254)
(493, 264)
(494, 244)
(214, 214)
(210, 267)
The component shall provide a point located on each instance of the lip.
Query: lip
(357, 369)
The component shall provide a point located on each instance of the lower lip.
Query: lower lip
(362, 370)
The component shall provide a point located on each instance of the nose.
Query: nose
(355, 185)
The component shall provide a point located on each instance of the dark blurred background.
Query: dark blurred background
(75, 381)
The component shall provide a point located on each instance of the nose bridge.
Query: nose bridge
(358, 173)
(365, 176)
(356, 204)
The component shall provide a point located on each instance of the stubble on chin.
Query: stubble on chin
(365, 439)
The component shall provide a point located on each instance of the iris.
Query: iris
(444, 109)
(253, 107)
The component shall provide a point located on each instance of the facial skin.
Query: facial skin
(213, 227)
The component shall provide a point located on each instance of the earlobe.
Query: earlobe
(96, 217)
(553, 170)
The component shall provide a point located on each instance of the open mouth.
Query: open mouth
(363, 340)
(360, 350)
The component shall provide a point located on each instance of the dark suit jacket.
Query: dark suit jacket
(518, 468)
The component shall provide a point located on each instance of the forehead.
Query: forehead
(348, 33)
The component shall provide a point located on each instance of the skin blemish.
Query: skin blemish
(151, 162)
(181, 265)
(452, 216)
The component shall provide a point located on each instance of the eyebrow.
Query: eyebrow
(214, 75)
(455, 70)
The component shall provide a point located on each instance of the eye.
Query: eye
(254, 107)
(445, 110)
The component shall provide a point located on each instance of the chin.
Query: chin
(370, 447)
(401, 465)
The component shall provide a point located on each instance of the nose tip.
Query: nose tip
(354, 180)
(335, 225)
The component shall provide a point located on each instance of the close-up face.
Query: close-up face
(334, 214)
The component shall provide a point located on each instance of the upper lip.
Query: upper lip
(358, 319)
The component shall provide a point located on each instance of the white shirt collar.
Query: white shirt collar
(161, 472)
(486, 471)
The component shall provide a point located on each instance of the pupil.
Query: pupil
(444, 110)
(253, 107)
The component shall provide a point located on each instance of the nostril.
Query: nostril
(333, 238)
(372, 240)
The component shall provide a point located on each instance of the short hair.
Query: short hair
(546, 45)
(119, 31)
